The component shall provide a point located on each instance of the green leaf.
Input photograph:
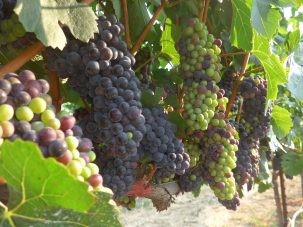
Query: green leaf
(177, 119)
(292, 163)
(172, 100)
(265, 19)
(43, 17)
(241, 34)
(152, 100)
(138, 18)
(102, 214)
(295, 81)
(275, 71)
(168, 44)
(36, 183)
(281, 121)
(117, 8)
(292, 40)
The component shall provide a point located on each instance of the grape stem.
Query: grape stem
(201, 9)
(205, 11)
(55, 90)
(148, 61)
(22, 58)
(232, 54)
(283, 197)
(86, 105)
(237, 84)
(88, 2)
(126, 23)
(277, 197)
(147, 29)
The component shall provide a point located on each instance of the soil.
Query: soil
(256, 209)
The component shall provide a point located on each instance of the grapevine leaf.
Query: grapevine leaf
(241, 34)
(38, 183)
(292, 163)
(172, 100)
(102, 214)
(155, 2)
(275, 72)
(265, 19)
(295, 81)
(168, 44)
(43, 18)
(293, 40)
(152, 100)
(274, 143)
(138, 18)
(117, 8)
(281, 121)
(177, 119)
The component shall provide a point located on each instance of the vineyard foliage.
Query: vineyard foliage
(166, 95)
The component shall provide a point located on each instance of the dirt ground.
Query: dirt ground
(256, 209)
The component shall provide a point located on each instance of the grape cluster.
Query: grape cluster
(26, 113)
(219, 146)
(100, 71)
(160, 144)
(120, 174)
(193, 150)
(227, 83)
(199, 105)
(11, 30)
(247, 156)
(6, 8)
(255, 119)
(200, 67)
(190, 181)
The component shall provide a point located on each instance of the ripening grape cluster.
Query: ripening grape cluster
(11, 30)
(200, 68)
(255, 119)
(26, 113)
(6, 8)
(219, 147)
(161, 145)
(100, 71)
(253, 127)
(227, 83)
(193, 150)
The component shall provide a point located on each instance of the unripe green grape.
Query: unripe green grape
(47, 115)
(24, 113)
(37, 105)
(75, 167)
(6, 112)
(72, 143)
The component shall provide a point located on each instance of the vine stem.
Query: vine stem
(55, 90)
(22, 58)
(86, 105)
(126, 23)
(237, 84)
(205, 11)
(232, 54)
(201, 9)
(277, 197)
(148, 61)
(283, 197)
(147, 29)
(88, 2)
